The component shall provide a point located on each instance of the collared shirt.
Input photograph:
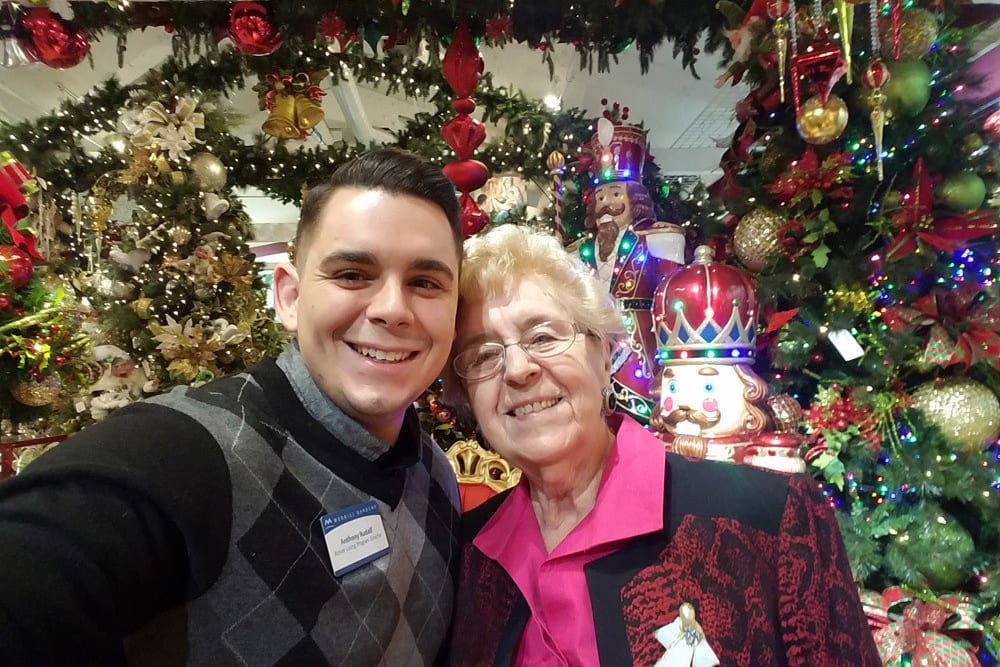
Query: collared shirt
(561, 628)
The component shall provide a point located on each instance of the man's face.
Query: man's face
(372, 302)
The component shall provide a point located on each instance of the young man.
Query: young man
(291, 514)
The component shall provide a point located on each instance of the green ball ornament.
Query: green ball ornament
(937, 548)
(964, 191)
(909, 88)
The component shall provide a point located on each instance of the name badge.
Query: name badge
(354, 536)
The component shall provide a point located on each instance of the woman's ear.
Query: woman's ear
(286, 296)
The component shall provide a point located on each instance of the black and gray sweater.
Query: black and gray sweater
(186, 530)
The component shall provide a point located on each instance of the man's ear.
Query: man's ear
(286, 295)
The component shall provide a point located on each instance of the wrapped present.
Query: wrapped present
(940, 633)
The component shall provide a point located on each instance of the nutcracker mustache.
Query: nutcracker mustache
(703, 419)
(611, 210)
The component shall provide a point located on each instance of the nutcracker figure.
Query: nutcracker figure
(631, 253)
(706, 317)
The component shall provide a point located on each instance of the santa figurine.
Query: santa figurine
(631, 252)
(705, 316)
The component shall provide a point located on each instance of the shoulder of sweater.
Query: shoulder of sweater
(727, 490)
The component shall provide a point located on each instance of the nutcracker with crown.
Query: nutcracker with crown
(630, 252)
(706, 317)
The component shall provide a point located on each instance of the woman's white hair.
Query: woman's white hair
(495, 261)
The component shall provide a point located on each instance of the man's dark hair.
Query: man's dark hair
(392, 170)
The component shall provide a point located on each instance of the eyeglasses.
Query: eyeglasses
(547, 339)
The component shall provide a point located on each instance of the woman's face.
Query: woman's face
(535, 412)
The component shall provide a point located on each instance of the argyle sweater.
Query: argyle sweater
(757, 554)
(186, 530)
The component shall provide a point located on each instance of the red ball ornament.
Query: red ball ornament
(15, 266)
(54, 41)
(875, 75)
(467, 175)
(252, 30)
(4, 302)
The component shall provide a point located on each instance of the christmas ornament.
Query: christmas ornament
(786, 413)
(820, 122)
(52, 40)
(845, 20)
(875, 76)
(776, 9)
(967, 412)
(208, 173)
(16, 266)
(918, 30)
(293, 100)
(937, 548)
(755, 239)
(12, 51)
(909, 87)
(36, 393)
(556, 162)
(962, 191)
(173, 129)
(252, 29)
(463, 67)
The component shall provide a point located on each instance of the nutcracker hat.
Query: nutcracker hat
(705, 310)
(619, 149)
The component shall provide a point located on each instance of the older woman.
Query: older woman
(611, 551)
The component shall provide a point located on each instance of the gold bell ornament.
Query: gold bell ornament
(308, 112)
(280, 121)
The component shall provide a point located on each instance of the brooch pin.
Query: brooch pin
(685, 643)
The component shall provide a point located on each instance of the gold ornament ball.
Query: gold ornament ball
(755, 239)
(966, 411)
(820, 123)
(143, 307)
(36, 394)
(918, 29)
(207, 172)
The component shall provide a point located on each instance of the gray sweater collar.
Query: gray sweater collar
(352, 434)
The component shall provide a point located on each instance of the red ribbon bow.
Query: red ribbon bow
(916, 222)
(964, 324)
(937, 634)
(14, 182)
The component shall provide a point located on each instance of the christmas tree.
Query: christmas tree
(857, 183)
(159, 245)
(43, 352)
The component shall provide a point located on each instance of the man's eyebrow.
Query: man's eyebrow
(348, 257)
(434, 265)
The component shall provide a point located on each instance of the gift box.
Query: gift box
(907, 631)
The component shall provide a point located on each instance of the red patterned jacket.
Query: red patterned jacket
(759, 556)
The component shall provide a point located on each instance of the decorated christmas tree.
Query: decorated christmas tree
(158, 245)
(43, 352)
(863, 194)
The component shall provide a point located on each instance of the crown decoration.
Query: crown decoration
(619, 148)
(705, 310)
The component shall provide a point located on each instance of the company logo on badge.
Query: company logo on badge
(354, 536)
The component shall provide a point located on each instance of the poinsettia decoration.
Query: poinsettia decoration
(963, 324)
(808, 175)
(914, 221)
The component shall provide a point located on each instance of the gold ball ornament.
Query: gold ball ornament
(821, 122)
(207, 172)
(966, 411)
(918, 30)
(36, 393)
(143, 307)
(755, 239)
